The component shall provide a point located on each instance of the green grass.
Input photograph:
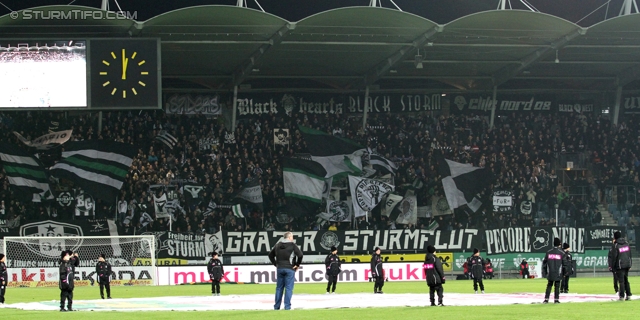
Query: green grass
(596, 310)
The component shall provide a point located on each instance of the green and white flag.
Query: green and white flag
(335, 154)
(237, 211)
(303, 185)
(24, 173)
(99, 167)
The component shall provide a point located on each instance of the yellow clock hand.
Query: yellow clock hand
(125, 62)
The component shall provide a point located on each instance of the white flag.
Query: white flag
(391, 202)
(160, 206)
(367, 194)
(326, 190)
(408, 208)
(339, 210)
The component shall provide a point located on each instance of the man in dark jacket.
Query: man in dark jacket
(564, 287)
(613, 272)
(103, 272)
(476, 264)
(334, 266)
(4, 278)
(621, 262)
(435, 276)
(279, 256)
(377, 271)
(66, 281)
(552, 267)
(216, 272)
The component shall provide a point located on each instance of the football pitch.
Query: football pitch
(396, 293)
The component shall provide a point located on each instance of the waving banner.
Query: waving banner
(46, 141)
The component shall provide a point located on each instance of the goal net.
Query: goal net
(35, 261)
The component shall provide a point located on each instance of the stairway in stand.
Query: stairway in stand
(607, 217)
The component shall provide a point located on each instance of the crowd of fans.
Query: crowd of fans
(523, 151)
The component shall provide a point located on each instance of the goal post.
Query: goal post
(35, 261)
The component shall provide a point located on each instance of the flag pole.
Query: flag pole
(353, 220)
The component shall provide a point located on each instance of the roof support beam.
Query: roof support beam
(245, 68)
(503, 75)
(383, 67)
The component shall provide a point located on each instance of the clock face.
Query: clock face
(124, 73)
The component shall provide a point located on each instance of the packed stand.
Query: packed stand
(521, 151)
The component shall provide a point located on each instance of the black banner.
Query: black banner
(519, 103)
(358, 241)
(171, 245)
(504, 103)
(582, 106)
(601, 236)
(287, 104)
(631, 104)
(184, 103)
(534, 239)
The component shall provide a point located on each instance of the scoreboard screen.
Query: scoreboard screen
(43, 74)
(97, 74)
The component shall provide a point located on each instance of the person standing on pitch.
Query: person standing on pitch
(435, 276)
(216, 271)
(564, 287)
(476, 264)
(334, 266)
(4, 277)
(621, 264)
(611, 269)
(280, 256)
(377, 271)
(66, 281)
(552, 267)
(103, 270)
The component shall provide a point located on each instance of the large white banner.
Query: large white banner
(314, 273)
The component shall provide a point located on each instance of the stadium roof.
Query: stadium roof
(215, 47)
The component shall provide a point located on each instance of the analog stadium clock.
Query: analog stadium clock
(124, 73)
